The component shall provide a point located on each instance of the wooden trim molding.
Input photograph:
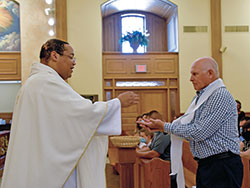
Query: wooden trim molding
(61, 19)
(247, 114)
(216, 38)
(6, 116)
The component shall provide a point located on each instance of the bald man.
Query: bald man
(210, 124)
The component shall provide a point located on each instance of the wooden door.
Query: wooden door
(157, 87)
(150, 99)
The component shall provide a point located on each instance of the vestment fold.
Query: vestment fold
(54, 130)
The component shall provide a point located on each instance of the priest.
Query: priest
(58, 138)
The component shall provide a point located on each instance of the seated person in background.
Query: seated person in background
(146, 138)
(242, 123)
(245, 144)
(241, 114)
(138, 118)
(245, 138)
(160, 145)
(145, 116)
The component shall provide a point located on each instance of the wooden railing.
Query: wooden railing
(151, 173)
(246, 173)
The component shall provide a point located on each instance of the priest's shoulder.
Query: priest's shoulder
(41, 80)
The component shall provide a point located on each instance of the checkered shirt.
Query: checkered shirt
(213, 129)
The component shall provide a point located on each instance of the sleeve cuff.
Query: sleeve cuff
(167, 127)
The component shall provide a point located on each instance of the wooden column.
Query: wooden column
(216, 37)
(61, 19)
(126, 160)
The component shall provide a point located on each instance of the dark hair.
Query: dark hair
(147, 132)
(245, 118)
(137, 124)
(246, 130)
(52, 45)
(154, 114)
(237, 101)
(146, 114)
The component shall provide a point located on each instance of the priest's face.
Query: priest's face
(66, 62)
(200, 75)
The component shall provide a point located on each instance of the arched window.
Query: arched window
(132, 22)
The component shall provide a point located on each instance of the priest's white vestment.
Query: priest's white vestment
(58, 138)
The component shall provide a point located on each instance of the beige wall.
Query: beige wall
(236, 59)
(34, 32)
(191, 45)
(84, 33)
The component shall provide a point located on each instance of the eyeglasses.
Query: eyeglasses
(72, 58)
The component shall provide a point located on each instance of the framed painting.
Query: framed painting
(9, 26)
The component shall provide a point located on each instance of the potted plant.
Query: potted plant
(135, 39)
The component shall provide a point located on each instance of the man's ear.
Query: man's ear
(211, 72)
(54, 56)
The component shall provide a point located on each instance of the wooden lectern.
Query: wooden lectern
(123, 154)
(126, 160)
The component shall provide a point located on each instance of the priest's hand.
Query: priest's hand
(128, 98)
(153, 125)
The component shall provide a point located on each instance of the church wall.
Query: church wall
(85, 35)
(34, 32)
(191, 45)
(84, 32)
(236, 59)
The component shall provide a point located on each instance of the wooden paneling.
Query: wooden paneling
(111, 33)
(150, 99)
(165, 65)
(61, 19)
(151, 173)
(246, 173)
(157, 28)
(155, 25)
(247, 114)
(174, 106)
(154, 100)
(161, 67)
(10, 66)
(128, 116)
(140, 60)
(116, 65)
(6, 116)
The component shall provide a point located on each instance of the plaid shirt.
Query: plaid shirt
(213, 129)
